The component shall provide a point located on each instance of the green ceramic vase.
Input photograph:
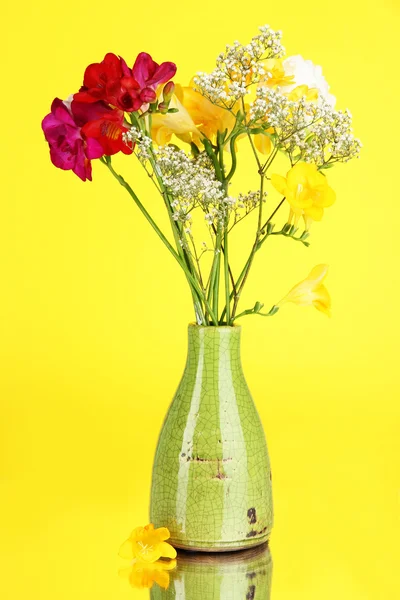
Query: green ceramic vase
(211, 477)
(244, 575)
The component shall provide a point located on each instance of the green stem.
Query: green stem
(260, 243)
(226, 275)
(253, 250)
(191, 279)
(175, 226)
(250, 311)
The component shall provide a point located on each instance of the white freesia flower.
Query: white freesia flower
(306, 73)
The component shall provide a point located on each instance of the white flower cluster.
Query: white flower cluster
(190, 181)
(239, 67)
(139, 142)
(332, 140)
(306, 130)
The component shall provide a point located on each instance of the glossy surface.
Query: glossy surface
(244, 575)
(212, 478)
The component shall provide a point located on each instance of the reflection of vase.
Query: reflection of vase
(244, 575)
(211, 476)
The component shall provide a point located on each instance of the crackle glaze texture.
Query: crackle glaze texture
(211, 477)
(242, 575)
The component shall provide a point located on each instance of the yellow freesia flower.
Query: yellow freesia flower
(179, 123)
(306, 190)
(144, 575)
(148, 544)
(275, 74)
(209, 118)
(311, 291)
(298, 92)
(196, 116)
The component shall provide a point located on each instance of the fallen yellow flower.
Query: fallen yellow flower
(311, 291)
(306, 190)
(148, 544)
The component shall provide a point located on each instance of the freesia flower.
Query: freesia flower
(100, 77)
(100, 122)
(150, 75)
(196, 116)
(69, 148)
(148, 544)
(311, 291)
(303, 91)
(208, 117)
(128, 89)
(179, 123)
(275, 74)
(143, 575)
(306, 190)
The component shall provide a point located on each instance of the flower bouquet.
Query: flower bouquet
(211, 478)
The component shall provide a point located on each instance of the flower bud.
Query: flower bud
(168, 91)
(163, 107)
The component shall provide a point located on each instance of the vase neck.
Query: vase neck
(212, 346)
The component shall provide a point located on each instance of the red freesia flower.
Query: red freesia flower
(97, 77)
(128, 89)
(102, 123)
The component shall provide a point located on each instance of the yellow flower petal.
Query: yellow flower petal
(279, 183)
(318, 273)
(323, 301)
(162, 579)
(301, 91)
(329, 196)
(163, 533)
(167, 551)
(142, 575)
(263, 143)
(314, 212)
(311, 291)
(179, 123)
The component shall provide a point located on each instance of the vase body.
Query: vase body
(211, 481)
(238, 576)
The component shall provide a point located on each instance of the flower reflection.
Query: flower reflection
(243, 575)
(143, 575)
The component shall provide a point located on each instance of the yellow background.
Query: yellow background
(93, 313)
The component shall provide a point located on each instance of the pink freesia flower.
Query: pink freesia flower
(68, 149)
(80, 132)
(149, 75)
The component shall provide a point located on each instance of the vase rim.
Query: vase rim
(216, 327)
